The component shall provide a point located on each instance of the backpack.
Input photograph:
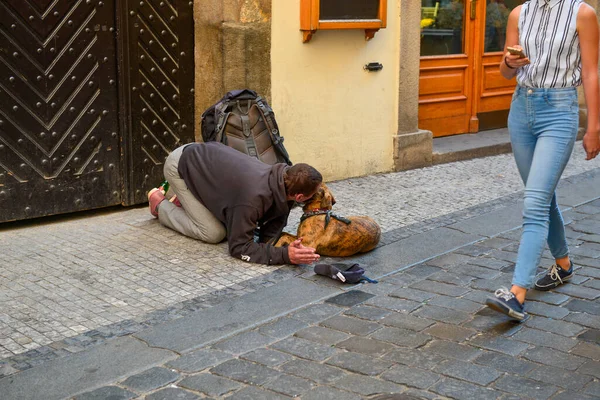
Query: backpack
(244, 121)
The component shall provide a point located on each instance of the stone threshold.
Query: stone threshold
(471, 145)
(467, 146)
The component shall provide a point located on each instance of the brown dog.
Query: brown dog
(329, 234)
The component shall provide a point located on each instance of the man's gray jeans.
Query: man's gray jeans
(192, 219)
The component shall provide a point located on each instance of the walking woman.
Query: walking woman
(559, 39)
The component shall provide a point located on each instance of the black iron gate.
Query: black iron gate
(158, 58)
(74, 133)
(59, 141)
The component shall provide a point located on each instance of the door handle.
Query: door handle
(473, 9)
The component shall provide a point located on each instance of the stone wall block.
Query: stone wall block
(258, 58)
(410, 47)
(208, 11)
(246, 57)
(209, 69)
(246, 11)
(234, 56)
(413, 150)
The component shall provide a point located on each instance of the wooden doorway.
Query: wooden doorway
(462, 43)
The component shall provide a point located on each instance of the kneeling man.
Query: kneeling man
(223, 192)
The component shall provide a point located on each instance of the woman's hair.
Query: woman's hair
(302, 179)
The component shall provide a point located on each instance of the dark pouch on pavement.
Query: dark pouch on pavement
(347, 273)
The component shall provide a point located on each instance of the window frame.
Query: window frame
(310, 21)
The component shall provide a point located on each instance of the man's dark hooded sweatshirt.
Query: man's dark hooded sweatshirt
(241, 192)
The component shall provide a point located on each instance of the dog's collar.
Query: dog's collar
(328, 215)
(312, 213)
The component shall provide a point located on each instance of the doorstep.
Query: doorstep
(471, 145)
(474, 145)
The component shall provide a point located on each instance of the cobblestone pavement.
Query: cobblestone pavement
(398, 199)
(121, 270)
(423, 332)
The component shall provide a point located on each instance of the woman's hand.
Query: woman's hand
(515, 61)
(591, 144)
(509, 62)
(300, 254)
(587, 28)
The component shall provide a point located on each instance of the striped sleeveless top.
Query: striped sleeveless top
(548, 35)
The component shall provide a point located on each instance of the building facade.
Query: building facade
(97, 93)
(440, 77)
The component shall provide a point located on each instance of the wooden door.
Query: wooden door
(461, 47)
(493, 91)
(59, 121)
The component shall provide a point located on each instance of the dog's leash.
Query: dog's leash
(328, 215)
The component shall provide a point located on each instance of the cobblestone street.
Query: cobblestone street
(422, 332)
(64, 278)
(77, 285)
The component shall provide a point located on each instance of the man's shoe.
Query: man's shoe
(155, 197)
(505, 302)
(555, 276)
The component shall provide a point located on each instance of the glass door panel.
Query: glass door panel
(496, 17)
(493, 91)
(462, 43)
(446, 73)
(442, 27)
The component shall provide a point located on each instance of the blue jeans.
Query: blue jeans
(543, 126)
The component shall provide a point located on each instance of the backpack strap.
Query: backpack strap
(248, 105)
(250, 143)
(220, 128)
(222, 115)
(273, 129)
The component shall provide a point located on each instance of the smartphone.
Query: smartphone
(516, 52)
